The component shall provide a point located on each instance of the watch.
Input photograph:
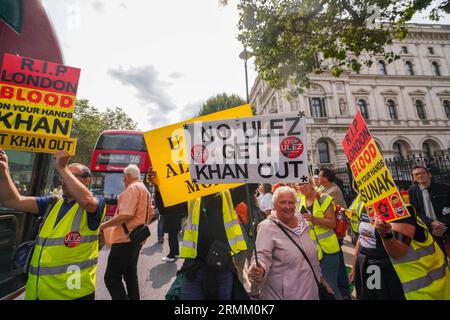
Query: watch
(388, 235)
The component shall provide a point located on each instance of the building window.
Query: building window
(363, 108)
(381, 67)
(317, 108)
(354, 63)
(420, 110)
(430, 50)
(324, 153)
(397, 149)
(405, 50)
(409, 68)
(435, 69)
(426, 149)
(446, 104)
(392, 109)
(342, 107)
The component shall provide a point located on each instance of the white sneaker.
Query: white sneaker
(168, 259)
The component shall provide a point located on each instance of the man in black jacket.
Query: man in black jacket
(432, 203)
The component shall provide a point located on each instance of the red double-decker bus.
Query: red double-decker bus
(25, 30)
(114, 150)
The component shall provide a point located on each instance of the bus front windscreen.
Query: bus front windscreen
(132, 142)
(107, 184)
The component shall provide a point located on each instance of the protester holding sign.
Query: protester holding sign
(417, 259)
(212, 235)
(283, 272)
(419, 262)
(370, 255)
(68, 236)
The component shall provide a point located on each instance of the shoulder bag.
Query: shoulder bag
(141, 232)
(323, 292)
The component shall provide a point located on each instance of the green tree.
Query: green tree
(220, 102)
(286, 36)
(89, 122)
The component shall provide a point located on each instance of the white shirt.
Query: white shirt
(265, 201)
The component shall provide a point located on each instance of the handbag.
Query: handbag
(174, 292)
(323, 292)
(141, 232)
(218, 256)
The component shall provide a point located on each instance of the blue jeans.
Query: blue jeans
(193, 289)
(343, 283)
(330, 267)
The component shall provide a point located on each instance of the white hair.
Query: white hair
(281, 190)
(133, 171)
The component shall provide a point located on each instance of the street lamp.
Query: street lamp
(245, 55)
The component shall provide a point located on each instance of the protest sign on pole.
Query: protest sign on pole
(37, 102)
(168, 153)
(376, 186)
(260, 149)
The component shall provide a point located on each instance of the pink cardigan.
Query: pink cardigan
(287, 274)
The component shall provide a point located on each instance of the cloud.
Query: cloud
(176, 75)
(99, 6)
(149, 89)
(191, 110)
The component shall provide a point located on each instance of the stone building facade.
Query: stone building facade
(406, 103)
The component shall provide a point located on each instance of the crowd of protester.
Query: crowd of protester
(278, 243)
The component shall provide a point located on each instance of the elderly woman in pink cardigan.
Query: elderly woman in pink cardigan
(283, 272)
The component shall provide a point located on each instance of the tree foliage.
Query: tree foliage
(286, 36)
(220, 102)
(89, 122)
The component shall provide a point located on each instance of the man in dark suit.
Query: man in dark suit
(432, 203)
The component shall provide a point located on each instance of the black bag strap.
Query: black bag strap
(124, 226)
(299, 248)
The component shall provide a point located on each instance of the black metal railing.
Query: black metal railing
(438, 163)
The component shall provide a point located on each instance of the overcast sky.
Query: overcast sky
(159, 60)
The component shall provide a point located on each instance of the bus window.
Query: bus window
(107, 184)
(131, 142)
(21, 166)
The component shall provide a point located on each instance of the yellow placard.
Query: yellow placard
(36, 117)
(168, 154)
(36, 143)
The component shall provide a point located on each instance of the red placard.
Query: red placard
(38, 74)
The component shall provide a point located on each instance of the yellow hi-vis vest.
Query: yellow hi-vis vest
(325, 238)
(58, 271)
(423, 270)
(230, 221)
(356, 208)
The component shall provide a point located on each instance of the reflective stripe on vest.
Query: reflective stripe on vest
(423, 270)
(232, 227)
(325, 237)
(53, 263)
(356, 206)
(62, 269)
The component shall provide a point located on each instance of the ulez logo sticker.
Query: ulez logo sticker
(291, 147)
(199, 153)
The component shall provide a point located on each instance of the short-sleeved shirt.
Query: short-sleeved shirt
(371, 243)
(94, 218)
(135, 201)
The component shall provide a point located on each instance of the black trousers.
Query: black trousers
(390, 285)
(122, 263)
(173, 244)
